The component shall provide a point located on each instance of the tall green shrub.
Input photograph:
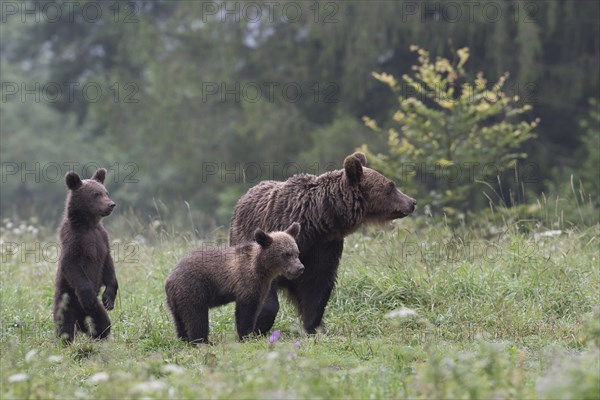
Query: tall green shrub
(449, 133)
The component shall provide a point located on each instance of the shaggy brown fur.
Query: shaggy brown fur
(211, 277)
(85, 262)
(329, 207)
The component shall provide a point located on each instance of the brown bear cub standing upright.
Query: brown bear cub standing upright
(214, 276)
(85, 262)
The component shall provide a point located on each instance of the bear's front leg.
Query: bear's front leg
(268, 312)
(246, 312)
(313, 289)
(313, 302)
(109, 279)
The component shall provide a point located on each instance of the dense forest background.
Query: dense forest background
(189, 103)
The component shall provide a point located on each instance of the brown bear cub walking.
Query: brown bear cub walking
(214, 276)
(85, 262)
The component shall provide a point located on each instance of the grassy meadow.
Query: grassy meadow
(422, 309)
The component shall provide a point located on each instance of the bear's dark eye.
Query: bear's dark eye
(97, 194)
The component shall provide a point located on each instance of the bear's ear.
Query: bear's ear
(73, 180)
(293, 230)
(353, 168)
(361, 157)
(262, 238)
(99, 175)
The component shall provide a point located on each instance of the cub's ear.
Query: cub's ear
(73, 180)
(353, 167)
(99, 175)
(293, 230)
(262, 238)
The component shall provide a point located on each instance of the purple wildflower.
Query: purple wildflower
(297, 344)
(274, 337)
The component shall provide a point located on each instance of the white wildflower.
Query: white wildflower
(401, 313)
(172, 369)
(149, 386)
(18, 378)
(97, 378)
(139, 239)
(55, 358)
(30, 354)
(545, 234)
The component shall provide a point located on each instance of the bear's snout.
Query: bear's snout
(407, 206)
(294, 271)
(109, 208)
(413, 204)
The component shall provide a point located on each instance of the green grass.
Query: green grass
(497, 315)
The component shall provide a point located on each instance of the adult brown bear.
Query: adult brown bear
(328, 207)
